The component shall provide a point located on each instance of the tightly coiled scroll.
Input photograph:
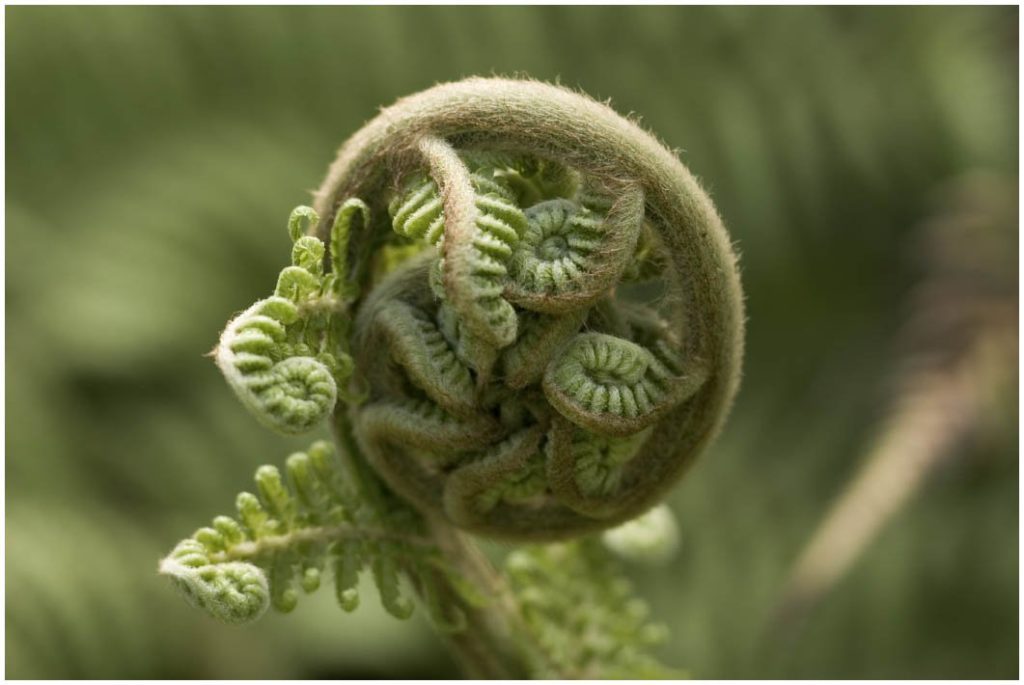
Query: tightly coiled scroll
(285, 355)
(551, 322)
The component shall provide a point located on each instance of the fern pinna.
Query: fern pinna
(522, 317)
(284, 538)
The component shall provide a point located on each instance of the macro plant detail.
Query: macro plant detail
(285, 537)
(572, 271)
(588, 622)
(522, 318)
(285, 356)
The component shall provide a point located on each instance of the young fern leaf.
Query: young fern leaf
(482, 223)
(232, 591)
(573, 252)
(296, 528)
(615, 387)
(533, 205)
(418, 213)
(284, 356)
(340, 284)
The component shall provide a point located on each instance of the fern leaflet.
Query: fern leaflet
(294, 529)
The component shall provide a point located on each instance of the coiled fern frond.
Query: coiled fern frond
(573, 252)
(574, 316)
(534, 326)
(313, 520)
(285, 355)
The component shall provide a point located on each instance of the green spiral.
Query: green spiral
(289, 391)
(234, 592)
(284, 356)
(573, 252)
(614, 387)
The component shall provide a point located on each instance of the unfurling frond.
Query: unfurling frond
(553, 293)
(533, 313)
(314, 520)
(285, 355)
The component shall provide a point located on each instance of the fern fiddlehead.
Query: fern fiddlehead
(234, 592)
(471, 268)
(285, 355)
(573, 252)
(534, 205)
(612, 386)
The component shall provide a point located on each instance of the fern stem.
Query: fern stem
(272, 543)
(492, 644)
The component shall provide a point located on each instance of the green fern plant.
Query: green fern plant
(522, 317)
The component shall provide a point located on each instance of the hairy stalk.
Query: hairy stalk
(492, 644)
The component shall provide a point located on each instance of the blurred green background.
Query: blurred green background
(153, 155)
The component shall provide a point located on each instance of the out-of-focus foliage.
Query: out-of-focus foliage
(152, 151)
(582, 615)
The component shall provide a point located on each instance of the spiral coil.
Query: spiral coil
(612, 386)
(284, 356)
(563, 342)
(234, 592)
(574, 251)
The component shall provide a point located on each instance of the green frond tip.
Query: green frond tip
(286, 357)
(300, 220)
(233, 592)
(340, 232)
(310, 520)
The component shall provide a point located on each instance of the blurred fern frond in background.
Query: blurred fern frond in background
(151, 150)
(955, 382)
